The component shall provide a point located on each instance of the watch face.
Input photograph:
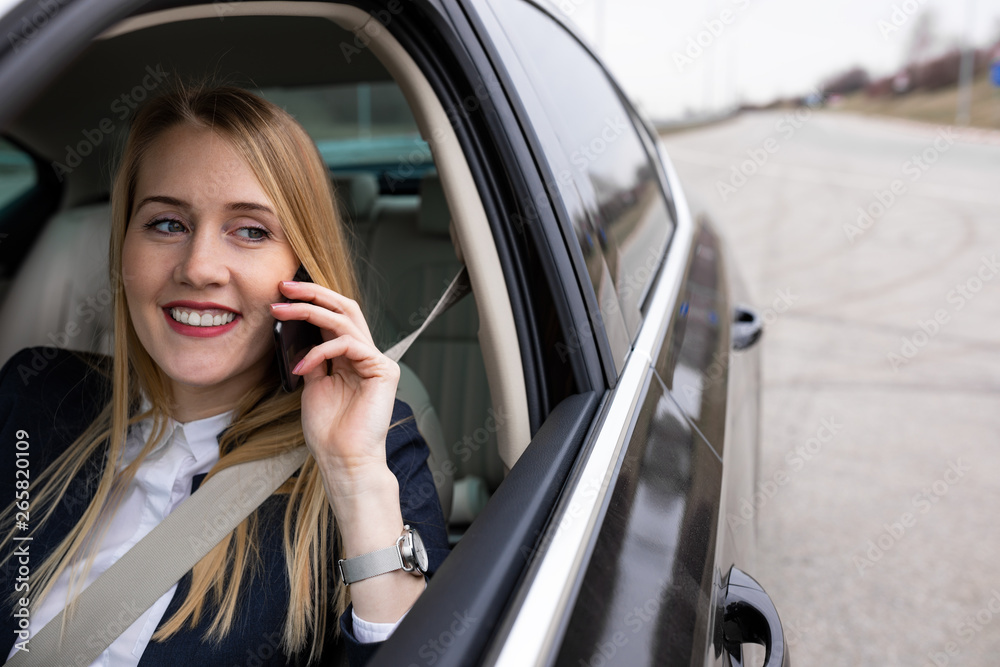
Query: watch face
(419, 551)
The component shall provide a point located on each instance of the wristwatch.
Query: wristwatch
(407, 554)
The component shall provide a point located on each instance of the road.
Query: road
(879, 534)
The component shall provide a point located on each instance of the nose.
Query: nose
(204, 262)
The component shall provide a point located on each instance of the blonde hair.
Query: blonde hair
(267, 421)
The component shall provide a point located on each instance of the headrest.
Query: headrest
(434, 216)
(356, 193)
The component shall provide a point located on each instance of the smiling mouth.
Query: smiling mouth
(201, 318)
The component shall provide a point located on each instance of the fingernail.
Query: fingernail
(280, 305)
(289, 282)
(298, 366)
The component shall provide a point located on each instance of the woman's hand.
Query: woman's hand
(345, 411)
(345, 420)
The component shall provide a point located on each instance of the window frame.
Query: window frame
(606, 308)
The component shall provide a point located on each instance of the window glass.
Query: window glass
(360, 126)
(17, 173)
(627, 225)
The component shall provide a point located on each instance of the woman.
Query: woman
(219, 197)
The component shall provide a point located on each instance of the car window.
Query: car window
(629, 224)
(17, 173)
(361, 126)
(399, 229)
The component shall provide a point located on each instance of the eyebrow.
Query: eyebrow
(232, 206)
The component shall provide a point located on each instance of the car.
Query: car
(592, 407)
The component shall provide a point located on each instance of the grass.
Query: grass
(937, 106)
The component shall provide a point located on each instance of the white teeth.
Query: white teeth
(196, 319)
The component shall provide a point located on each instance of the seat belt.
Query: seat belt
(456, 290)
(146, 571)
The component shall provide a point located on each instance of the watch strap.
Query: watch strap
(371, 564)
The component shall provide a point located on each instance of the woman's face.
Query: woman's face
(202, 258)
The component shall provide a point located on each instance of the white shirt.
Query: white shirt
(161, 483)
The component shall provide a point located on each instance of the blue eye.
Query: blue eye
(254, 233)
(158, 225)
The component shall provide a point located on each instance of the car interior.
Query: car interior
(403, 185)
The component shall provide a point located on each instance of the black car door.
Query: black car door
(636, 571)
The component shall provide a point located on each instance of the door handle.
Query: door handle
(749, 616)
(747, 327)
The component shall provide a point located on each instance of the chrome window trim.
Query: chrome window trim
(535, 630)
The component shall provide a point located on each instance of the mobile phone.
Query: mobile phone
(292, 340)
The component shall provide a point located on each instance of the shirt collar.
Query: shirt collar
(199, 437)
(202, 435)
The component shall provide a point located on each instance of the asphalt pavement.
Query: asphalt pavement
(879, 512)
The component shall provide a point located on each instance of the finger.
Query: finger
(365, 359)
(325, 297)
(335, 324)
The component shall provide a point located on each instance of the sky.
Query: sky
(675, 57)
(756, 50)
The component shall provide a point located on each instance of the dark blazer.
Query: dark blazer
(52, 395)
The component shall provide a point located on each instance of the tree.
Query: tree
(853, 79)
